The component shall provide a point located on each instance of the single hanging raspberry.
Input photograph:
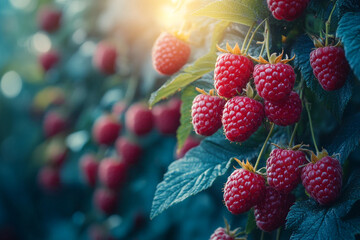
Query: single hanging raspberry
(225, 233)
(167, 116)
(242, 116)
(139, 119)
(89, 168)
(275, 79)
(322, 178)
(49, 178)
(330, 67)
(54, 123)
(287, 10)
(105, 130)
(170, 53)
(206, 112)
(284, 113)
(49, 59)
(271, 213)
(244, 189)
(283, 168)
(105, 200)
(112, 172)
(105, 57)
(129, 151)
(232, 72)
(49, 19)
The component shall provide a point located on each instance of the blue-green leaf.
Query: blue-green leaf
(349, 32)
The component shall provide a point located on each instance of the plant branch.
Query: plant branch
(264, 145)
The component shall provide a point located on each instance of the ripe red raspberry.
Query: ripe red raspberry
(190, 143)
(54, 123)
(274, 82)
(330, 67)
(283, 169)
(243, 190)
(169, 54)
(129, 151)
(105, 200)
(49, 178)
(105, 130)
(242, 116)
(49, 59)
(99, 232)
(323, 179)
(287, 10)
(89, 168)
(286, 112)
(271, 213)
(104, 58)
(206, 112)
(118, 109)
(167, 117)
(232, 72)
(221, 234)
(112, 172)
(139, 119)
(49, 19)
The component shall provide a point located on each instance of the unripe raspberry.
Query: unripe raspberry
(105, 57)
(49, 178)
(169, 54)
(49, 19)
(105, 130)
(89, 168)
(190, 143)
(112, 172)
(105, 200)
(49, 59)
(129, 151)
(139, 119)
(56, 153)
(54, 123)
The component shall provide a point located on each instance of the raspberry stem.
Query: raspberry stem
(264, 145)
(311, 127)
(267, 38)
(247, 37)
(327, 25)
(278, 232)
(262, 235)
(297, 124)
(253, 35)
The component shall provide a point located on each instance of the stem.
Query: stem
(278, 233)
(264, 145)
(293, 134)
(327, 25)
(262, 235)
(247, 37)
(262, 49)
(311, 128)
(253, 35)
(267, 32)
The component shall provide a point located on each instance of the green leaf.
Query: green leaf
(251, 224)
(309, 220)
(191, 73)
(334, 101)
(347, 138)
(349, 32)
(347, 6)
(236, 11)
(200, 167)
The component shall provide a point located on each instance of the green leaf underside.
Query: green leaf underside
(309, 220)
(349, 32)
(229, 10)
(347, 138)
(201, 66)
(334, 101)
(200, 167)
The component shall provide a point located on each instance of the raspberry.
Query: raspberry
(221, 234)
(112, 172)
(89, 168)
(232, 72)
(242, 116)
(167, 117)
(118, 109)
(272, 211)
(286, 112)
(130, 152)
(206, 112)
(104, 58)
(49, 178)
(49, 59)
(190, 143)
(105, 200)
(283, 169)
(243, 190)
(287, 10)
(106, 130)
(169, 54)
(139, 119)
(56, 153)
(323, 179)
(49, 19)
(54, 123)
(274, 82)
(330, 67)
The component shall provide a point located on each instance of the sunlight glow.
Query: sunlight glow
(11, 84)
(41, 42)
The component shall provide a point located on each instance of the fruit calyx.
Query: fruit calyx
(235, 50)
(202, 91)
(274, 58)
(233, 233)
(320, 42)
(298, 147)
(319, 155)
(183, 36)
(245, 165)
